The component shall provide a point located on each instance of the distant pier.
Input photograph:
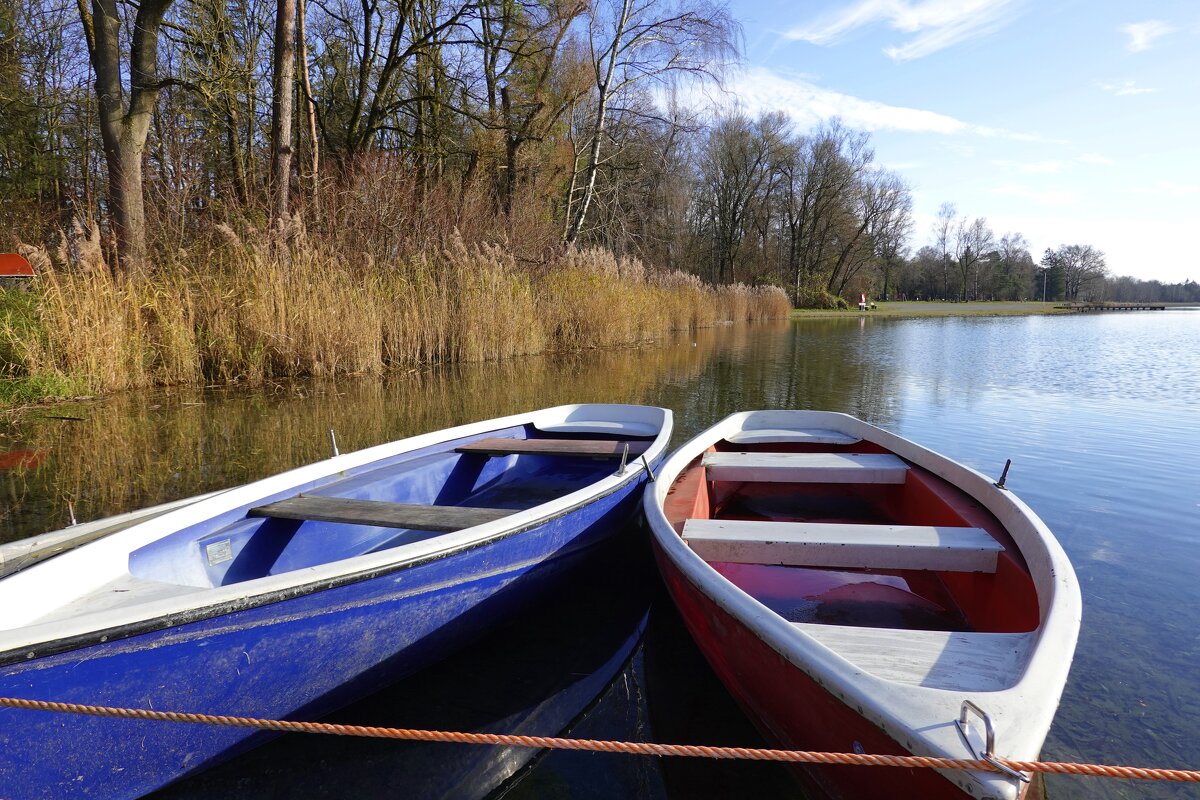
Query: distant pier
(1112, 307)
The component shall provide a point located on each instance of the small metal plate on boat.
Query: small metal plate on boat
(218, 552)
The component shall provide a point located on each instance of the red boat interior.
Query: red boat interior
(998, 597)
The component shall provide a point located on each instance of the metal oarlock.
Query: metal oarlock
(649, 471)
(1004, 474)
(989, 746)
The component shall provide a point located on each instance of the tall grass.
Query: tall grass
(252, 309)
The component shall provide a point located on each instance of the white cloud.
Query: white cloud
(1051, 197)
(1032, 167)
(1172, 188)
(758, 89)
(1017, 136)
(1123, 88)
(937, 24)
(1095, 158)
(1142, 34)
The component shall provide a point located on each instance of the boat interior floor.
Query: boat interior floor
(410, 499)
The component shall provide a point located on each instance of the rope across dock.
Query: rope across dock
(601, 746)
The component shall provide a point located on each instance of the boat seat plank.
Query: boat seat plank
(806, 467)
(956, 661)
(791, 435)
(591, 448)
(821, 544)
(413, 516)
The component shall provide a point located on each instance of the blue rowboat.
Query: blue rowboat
(296, 594)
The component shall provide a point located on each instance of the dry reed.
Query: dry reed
(266, 310)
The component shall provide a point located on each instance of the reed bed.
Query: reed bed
(265, 310)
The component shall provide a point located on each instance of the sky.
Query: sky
(1069, 121)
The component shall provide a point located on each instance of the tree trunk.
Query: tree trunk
(281, 108)
(234, 153)
(124, 127)
(603, 88)
(310, 108)
(123, 149)
(593, 167)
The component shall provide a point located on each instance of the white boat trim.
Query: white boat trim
(23, 553)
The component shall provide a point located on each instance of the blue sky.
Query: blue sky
(1071, 122)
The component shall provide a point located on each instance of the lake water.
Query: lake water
(1099, 413)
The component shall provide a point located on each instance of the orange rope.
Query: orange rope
(636, 748)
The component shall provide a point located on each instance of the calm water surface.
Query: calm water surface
(1100, 415)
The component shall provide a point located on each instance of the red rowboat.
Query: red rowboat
(856, 592)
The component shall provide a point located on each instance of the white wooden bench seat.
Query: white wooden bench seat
(794, 435)
(956, 661)
(820, 544)
(589, 448)
(805, 467)
(376, 513)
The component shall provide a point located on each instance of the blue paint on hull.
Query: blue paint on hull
(298, 658)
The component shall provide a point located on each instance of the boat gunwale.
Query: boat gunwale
(902, 711)
(171, 612)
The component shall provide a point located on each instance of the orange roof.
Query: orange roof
(13, 265)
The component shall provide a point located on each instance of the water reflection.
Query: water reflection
(1100, 414)
(136, 450)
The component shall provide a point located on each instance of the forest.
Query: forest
(138, 132)
(220, 184)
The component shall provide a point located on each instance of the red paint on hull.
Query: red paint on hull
(792, 709)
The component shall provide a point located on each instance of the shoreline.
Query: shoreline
(939, 308)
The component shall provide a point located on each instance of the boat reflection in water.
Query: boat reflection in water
(607, 658)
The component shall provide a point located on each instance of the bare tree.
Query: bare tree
(943, 230)
(125, 116)
(1014, 278)
(890, 232)
(882, 204)
(972, 241)
(368, 86)
(531, 77)
(818, 189)
(736, 164)
(282, 93)
(632, 41)
(309, 103)
(1082, 268)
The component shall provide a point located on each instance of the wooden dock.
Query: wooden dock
(1112, 307)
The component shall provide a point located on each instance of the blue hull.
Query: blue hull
(299, 656)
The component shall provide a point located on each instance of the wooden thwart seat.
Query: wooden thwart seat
(589, 448)
(806, 467)
(819, 544)
(793, 435)
(414, 516)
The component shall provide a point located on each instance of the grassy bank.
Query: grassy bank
(249, 313)
(942, 309)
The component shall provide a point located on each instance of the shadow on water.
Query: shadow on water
(607, 659)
